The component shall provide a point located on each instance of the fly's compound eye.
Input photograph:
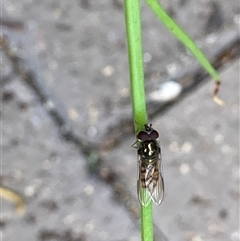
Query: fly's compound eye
(143, 136)
(154, 135)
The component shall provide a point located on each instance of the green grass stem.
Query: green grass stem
(135, 56)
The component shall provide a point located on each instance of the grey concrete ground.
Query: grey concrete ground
(55, 123)
(62, 200)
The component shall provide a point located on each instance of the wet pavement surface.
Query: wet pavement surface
(67, 129)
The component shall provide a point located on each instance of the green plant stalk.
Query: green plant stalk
(135, 56)
(183, 37)
(147, 223)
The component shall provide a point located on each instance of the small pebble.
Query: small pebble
(89, 226)
(167, 92)
(147, 57)
(236, 19)
(29, 190)
(69, 219)
(172, 68)
(108, 70)
(212, 38)
(88, 190)
(16, 173)
(92, 131)
(197, 238)
(184, 169)
(186, 147)
(218, 138)
(124, 92)
(174, 146)
(73, 114)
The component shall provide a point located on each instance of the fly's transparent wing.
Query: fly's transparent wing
(158, 192)
(144, 196)
(150, 184)
(156, 187)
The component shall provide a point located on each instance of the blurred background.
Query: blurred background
(68, 171)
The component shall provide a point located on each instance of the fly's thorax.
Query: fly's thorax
(149, 149)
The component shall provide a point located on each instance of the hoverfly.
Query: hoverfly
(150, 185)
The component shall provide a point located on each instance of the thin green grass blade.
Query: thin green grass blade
(183, 37)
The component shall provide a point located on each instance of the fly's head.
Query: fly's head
(148, 134)
(147, 139)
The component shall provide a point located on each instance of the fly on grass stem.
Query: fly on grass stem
(150, 185)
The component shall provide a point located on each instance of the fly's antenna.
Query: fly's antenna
(148, 127)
